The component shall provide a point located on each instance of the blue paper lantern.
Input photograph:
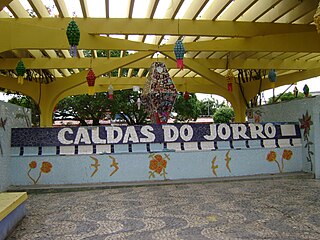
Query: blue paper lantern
(272, 75)
(306, 90)
(179, 52)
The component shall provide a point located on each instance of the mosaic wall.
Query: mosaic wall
(253, 153)
(98, 163)
(153, 166)
(10, 116)
(306, 111)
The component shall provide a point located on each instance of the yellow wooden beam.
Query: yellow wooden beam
(181, 27)
(194, 85)
(24, 36)
(53, 92)
(61, 85)
(291, 42)
(28, 88)
(218, 80)
(4, 3)
(60, 63)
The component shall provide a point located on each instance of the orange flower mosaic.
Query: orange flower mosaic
(46, 167)
(287, 154)
(271, 157)
(33, 164)
(158, 165)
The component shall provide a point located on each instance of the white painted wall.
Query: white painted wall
(10, 116)
(292, 111)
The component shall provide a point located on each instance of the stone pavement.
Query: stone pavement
(257, 209)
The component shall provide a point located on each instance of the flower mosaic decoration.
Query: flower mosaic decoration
(45, 168)
(306, 123)
(158, 165)
(286, 155)
(3, 126)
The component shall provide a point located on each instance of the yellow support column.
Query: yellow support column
(46, 105)
(239, 112)
(46, 115)
(238, 104)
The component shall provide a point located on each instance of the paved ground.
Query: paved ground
(260, 209)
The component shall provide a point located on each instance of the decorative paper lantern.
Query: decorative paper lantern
(110, 92)
(21, 70)
(295, 91)
(316, 18)
(73, 35)
(91, 79)
(306, 90)
(179, 52)
(159, 93)
(186, 95)
(272, 75)
(139, 103)
(230, 79)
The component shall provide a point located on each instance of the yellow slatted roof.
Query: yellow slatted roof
(217, 34)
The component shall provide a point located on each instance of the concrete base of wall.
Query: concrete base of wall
(82, 187)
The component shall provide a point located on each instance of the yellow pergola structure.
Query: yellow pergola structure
(217, 35)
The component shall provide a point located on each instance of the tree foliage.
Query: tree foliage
(84, 107)
(209, 106)
(187, 109)
(224, 114)
(288, 96)
(125, 105)
(98, 107)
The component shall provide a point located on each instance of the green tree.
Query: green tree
(84, 107)
(209, 106)
(27, 102)
(285, 97)
(224, 114)
(98, 107)
(186, 109)
(124, 104)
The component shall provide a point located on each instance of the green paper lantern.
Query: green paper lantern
(73, 35)
(21, 70)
